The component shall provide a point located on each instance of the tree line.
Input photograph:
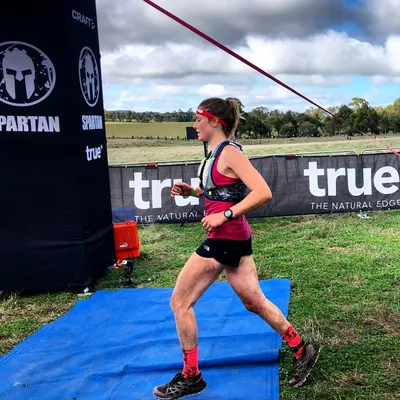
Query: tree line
(261, 122)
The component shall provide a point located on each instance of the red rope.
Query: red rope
(250, 64)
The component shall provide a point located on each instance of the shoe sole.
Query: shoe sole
(174, 398)
(303, 381)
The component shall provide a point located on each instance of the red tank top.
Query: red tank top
(238, 228)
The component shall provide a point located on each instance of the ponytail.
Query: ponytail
(233, 104)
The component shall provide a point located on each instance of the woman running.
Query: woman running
(231, 187)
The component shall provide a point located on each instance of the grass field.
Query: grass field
(345, 274)
(129, 129)
(131, 151)
(345, 293)
(123, 149)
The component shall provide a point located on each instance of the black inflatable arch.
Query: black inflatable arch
(55, 222)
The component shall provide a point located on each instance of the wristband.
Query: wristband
(193, 193)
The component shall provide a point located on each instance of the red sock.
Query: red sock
(295, 342)
(191, 363)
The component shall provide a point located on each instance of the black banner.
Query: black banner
(300, 185)
(56, 229)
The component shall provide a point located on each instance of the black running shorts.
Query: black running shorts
(225, 251)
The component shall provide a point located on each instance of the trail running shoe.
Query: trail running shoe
(179, 387)
(303, 365)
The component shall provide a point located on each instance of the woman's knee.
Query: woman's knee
(178, 304)
(253, 304)
(174, 302)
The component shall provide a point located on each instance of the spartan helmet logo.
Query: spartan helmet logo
(89, 76)
(19, 73)
(27, 75)
(89, 67)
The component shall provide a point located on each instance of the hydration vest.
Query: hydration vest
(234, 192)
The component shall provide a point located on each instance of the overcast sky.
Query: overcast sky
(329, 50)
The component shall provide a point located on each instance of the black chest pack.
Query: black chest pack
(233, 193)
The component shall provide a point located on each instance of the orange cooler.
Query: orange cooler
(126, 239)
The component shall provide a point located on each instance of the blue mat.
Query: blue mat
(120, 344)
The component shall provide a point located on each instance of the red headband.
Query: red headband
(209, 115)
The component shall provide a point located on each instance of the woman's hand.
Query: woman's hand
(213, 221)
(181, 189)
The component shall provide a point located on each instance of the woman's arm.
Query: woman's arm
(183, 189)
(240, 165)
(199, 192)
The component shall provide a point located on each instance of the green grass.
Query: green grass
(137, 129)
(123, 149)
(345, 274)
(132, 150)
(20, 315)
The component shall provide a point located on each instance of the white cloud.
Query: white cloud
(273, 96)
(393, 51)
(216, 90)
(326, 54)
(385, 16)
(151, 62)
(382, 80)
(314, 80)
(134, 21)
(329, 53)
